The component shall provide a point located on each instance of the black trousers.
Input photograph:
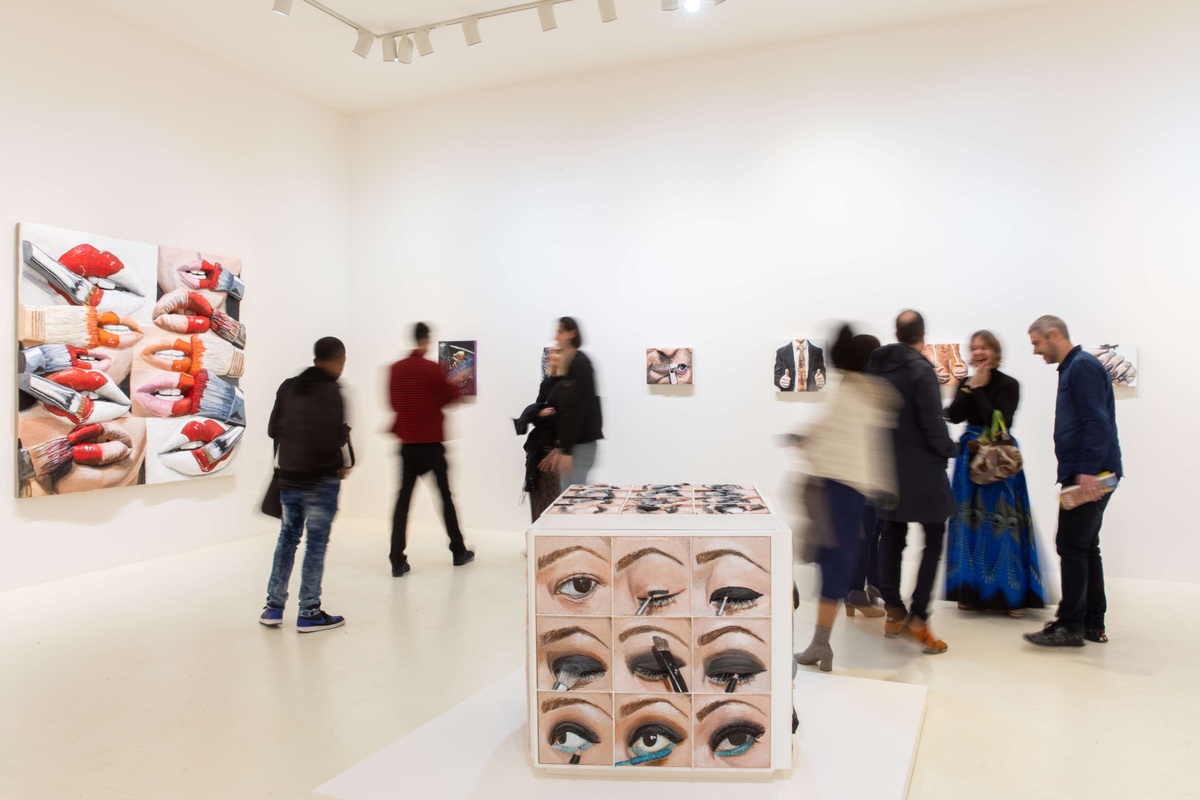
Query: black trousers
(892, 539)
(415, 461)
(1078, 542)
(866, 565)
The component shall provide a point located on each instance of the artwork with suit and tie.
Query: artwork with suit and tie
(800, 366)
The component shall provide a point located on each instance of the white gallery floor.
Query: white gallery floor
(154, 680)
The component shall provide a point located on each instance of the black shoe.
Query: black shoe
(465, 557)
(1055, 635)
(1095, 635)
(401, 570)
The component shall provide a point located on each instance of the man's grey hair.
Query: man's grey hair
(1047, 323)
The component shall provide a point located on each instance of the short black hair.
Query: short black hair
(421, 331)
(851, 352)
(911, 330)
(328, 348)
(569, 325)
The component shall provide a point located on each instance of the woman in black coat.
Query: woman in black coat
(542, 486)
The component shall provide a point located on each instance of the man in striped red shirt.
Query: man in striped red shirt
(418, 391)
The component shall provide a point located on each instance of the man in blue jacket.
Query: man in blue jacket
(1085, 442)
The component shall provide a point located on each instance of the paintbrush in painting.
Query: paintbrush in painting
(47, 359)
(649, 598)
(566, 678)
(218, 356)
(75, 289)
(662, 653)
(73, 325)
(229, 329)
(218, 399)
(44, 459)
(212, 276)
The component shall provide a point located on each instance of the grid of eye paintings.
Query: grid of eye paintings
(661, 499)
(653, 651)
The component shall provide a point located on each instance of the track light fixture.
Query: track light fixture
(546, 16)
(424, 46)
(398, 45)
(471, 31)
(363, 46)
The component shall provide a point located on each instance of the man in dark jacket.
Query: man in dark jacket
(312, 441)
(922, 448)
(1086, 444)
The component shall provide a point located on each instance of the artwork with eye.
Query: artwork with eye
(733, 731)
(128, 364)
(458, 362)
(653, 730)
(575, 728)
(732, 656)
(574, 575)
(652, 576)
(669, 365)
(800, 366)
(653, 655)
(575, 654)
(947, 362)
(1119, 359)
(731, 577)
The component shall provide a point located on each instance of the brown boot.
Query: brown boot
(920, 633)
(893, 626)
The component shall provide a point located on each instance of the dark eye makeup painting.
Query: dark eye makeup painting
(575, 729)
(731, 577)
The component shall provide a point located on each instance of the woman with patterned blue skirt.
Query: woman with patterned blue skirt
(991, 559)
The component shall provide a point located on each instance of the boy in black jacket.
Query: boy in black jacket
(314, 455)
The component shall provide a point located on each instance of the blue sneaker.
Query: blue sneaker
(272, 616)
(321, 622)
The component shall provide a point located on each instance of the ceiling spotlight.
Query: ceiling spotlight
(691, 5)
(546, 17)
(283, 7)
(404, 48)
(424, 46)
(670, 5)
(471, 31)
(389, 49)
(608, 10)
(363, 45)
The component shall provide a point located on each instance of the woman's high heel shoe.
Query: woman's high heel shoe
(858, 601)
(815, 653)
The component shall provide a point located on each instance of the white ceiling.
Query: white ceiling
(309, 53)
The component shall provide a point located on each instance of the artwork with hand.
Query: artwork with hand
(652, 651)
(948, 363)
(457, 360)
(800, 366)
(545, 362)
(669, 365)
(128, 362)
(1120, 360)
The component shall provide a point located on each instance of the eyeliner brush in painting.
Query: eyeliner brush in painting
(731, 684)
(574, 758)
(218, 399)
(650, 595)
(721, 610)
(662, 652)
(566, 678)
(633, 762)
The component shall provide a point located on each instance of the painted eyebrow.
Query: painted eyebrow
(649, 629)
(645, 551)
(550, 558)
(711, 707)
(550, 637)
(712, 636)
(559, 702)
(637, 705)
(710, 555)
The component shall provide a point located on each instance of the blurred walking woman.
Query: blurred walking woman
(580, 424)
(992, 560)
(541, 421)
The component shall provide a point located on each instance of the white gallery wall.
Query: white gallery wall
(984, 170)
(110, 130)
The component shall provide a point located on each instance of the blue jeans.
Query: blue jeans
(314, 507)
(583, 458)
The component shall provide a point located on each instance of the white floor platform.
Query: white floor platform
(482, 744)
